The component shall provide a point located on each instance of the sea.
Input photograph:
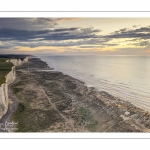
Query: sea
(125, 77)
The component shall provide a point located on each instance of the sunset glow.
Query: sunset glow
(108, 36)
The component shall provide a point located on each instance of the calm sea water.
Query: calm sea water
(126, 77)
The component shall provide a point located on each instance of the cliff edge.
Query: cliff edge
(10, 77)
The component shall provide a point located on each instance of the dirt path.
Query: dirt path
(69, 121)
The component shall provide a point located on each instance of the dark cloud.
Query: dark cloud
(4, 46)
(14, 34)
(143, 33)
(143, 43)
(64, 29)
(31, 23)
(76, 42)
(55, 34)
(28, 23)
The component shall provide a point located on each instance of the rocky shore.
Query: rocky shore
(49, 101)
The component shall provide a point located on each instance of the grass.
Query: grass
(86, 114)
(5, 68)
(16, 90)
(16, 116)
(2, 76)
(92, 125)
(5, 65)
(3, 59)
(33, 120)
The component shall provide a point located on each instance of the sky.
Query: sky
(75, 36)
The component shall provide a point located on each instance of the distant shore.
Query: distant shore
(49, 101)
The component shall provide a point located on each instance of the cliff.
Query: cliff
(18, 62)
(4, 101)
(10, 77)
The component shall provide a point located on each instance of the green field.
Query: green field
(5, 68)
(3, 60)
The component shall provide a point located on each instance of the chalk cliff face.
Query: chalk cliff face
(18, 62)
(25, 60)
(4, 101)
(10, 77)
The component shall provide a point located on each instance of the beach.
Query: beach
(49, 101)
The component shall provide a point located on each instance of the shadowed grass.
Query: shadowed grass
(5, 68)
(3, 59)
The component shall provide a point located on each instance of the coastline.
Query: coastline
(66, 104)
(8, 99)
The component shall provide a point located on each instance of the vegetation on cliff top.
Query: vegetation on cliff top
(13, 56)
(5, 68)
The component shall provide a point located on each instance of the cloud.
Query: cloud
(55, 34)
(37, 32)
(32, 23)
(4, 46)
(75, 42)
(143, 33)
(143, 43)
(27, 23)
(59, 20)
